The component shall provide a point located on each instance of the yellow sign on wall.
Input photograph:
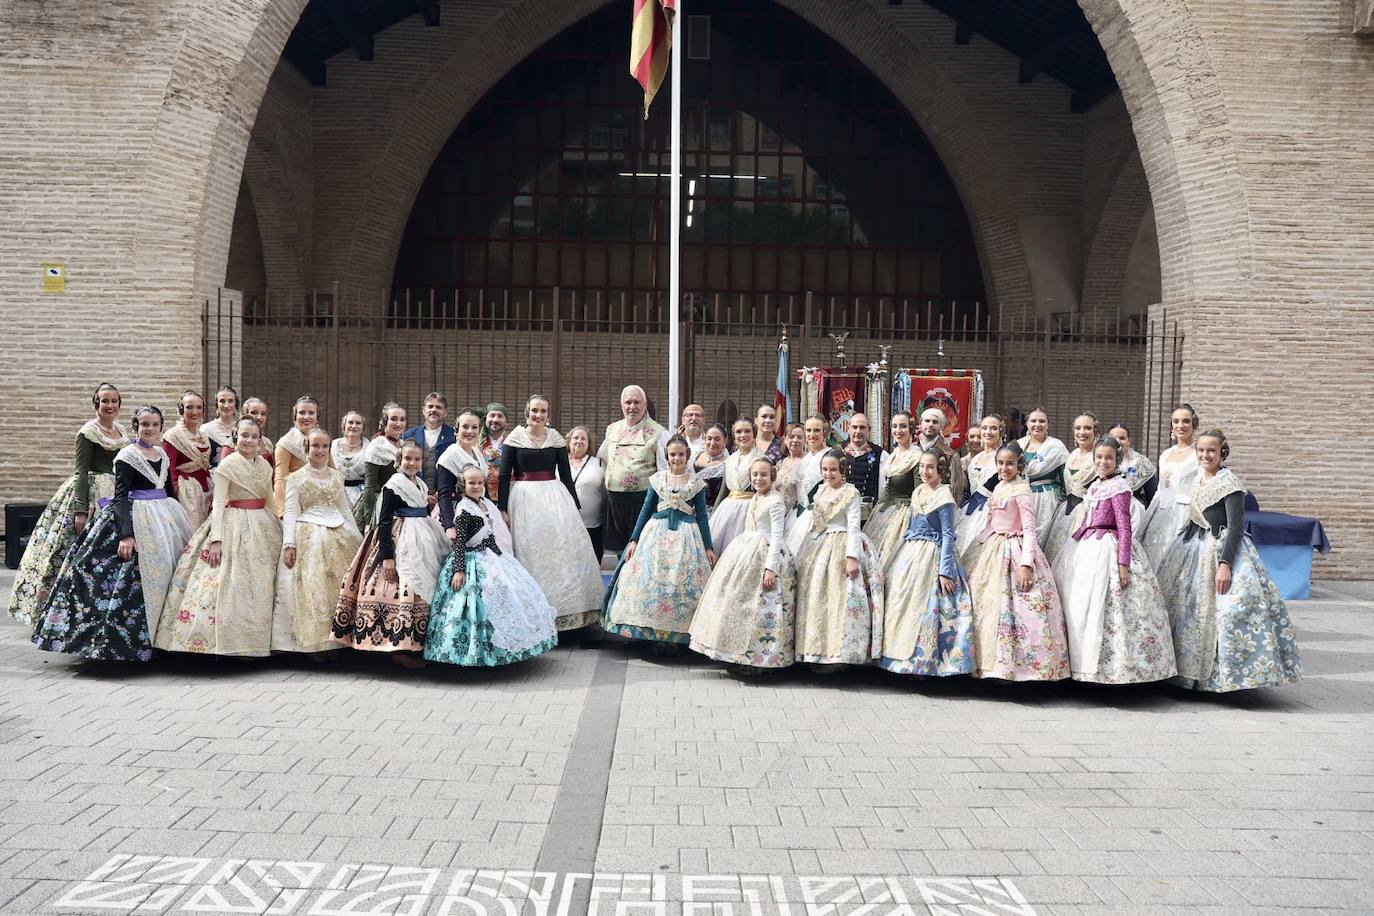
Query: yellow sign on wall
(54, 278)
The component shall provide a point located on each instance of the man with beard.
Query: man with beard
(631, 453)
(494, 429)
(693, 429)
(932, 436)
(434, 436)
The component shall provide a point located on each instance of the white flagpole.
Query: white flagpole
(675, 234)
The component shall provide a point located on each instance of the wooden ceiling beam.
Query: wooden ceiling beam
(1055, 39)
(967, 24)
(345, 22)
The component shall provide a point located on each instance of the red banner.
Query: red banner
(952, 394)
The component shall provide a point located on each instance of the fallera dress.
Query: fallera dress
(227, 609)
(887, 525)
(1044, 470)
(807, 483)
(973, 515)
(102, 607)
(731, 513)
(291, 454)
(536, 491)
(1242, 639)
(925, 631)
(1017, 636)
(376, 613)
(499, 616)
(54, 534)
(353, 467)
(739, 621)
(1116, 635)
(191, 455)
(318, 522)
(839, 620)
(655, 593)
(1077, 475)
(1168, 513)
(379, 464)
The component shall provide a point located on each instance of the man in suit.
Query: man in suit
(434, 435)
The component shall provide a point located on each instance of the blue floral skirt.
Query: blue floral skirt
(926, 632)
(1236, 641)
(498, 617)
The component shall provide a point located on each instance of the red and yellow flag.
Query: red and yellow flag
(651, 39)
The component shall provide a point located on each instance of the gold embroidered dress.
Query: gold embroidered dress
(227, 609)
(318, 522)
(290, 455)
(839, 619)
(190, 455)
(738, 621)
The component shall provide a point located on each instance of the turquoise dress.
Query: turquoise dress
(499, 616)
(654, 594)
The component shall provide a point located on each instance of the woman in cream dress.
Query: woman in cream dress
(794, 450)
(730, 515)
(1167, 514)
(190, 453)
(220, 601)
(349, 454)
(1078, 474)
(747, 613)
(839, 578)
(319, 541)
(290, 455)
(896, 482)
(807, 483)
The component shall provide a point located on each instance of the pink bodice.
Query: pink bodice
(1110, 516)
(1014, 518)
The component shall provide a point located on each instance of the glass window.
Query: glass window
(801, 173)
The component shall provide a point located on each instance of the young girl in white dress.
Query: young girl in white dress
(839, 577)
(1167, 514)
(349, 452)
(747, 612)
(807, 482)
(982, 477)
(488, 610)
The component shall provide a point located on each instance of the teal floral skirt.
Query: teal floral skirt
(498, 617)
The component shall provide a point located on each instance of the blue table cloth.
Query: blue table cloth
(1285, 544)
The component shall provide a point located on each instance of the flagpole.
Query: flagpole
(675, 234)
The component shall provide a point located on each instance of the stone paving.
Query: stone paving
(597, 779)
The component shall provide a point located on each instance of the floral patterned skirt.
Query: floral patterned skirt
(375, 614)
(654, 594)
(1115, 636)
(308, 593)
(925, 631)
(886, 528)
(839, 619)
(498, 617)
(225, 609)
(737, 621)
(1017, 636)
(52, 538)
(1237, 641)
(96, 608)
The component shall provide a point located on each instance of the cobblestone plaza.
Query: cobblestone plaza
(595, 779)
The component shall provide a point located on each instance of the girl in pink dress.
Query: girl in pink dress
(1018, 624)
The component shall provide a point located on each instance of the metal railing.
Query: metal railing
(579, 348)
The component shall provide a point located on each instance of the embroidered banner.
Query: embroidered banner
(953, 392)
(835, 393)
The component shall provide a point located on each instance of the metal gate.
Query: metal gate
(579, 349)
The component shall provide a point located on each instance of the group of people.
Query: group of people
(759, 546)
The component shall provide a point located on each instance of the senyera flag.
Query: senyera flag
(651, 39)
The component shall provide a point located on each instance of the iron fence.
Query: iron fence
(579, 348)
